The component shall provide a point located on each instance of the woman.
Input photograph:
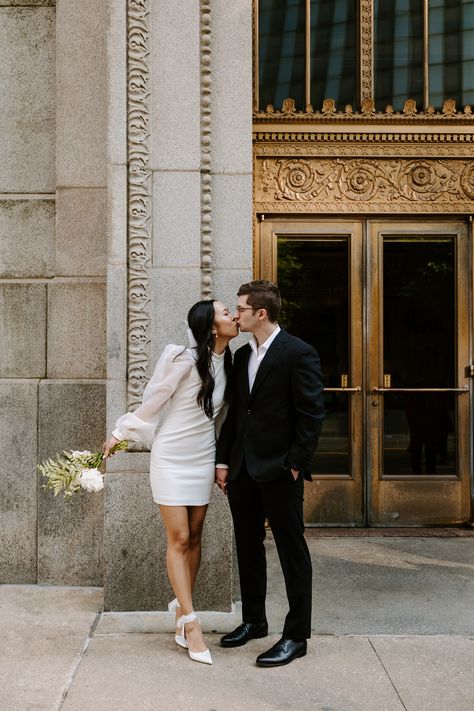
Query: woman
(196, 382)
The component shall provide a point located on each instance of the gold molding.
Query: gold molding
(364, 145)
(328, 114)
(366, 54)
(362, 185)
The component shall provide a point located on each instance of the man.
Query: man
(263, 454)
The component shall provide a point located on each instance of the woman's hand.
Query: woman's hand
(222, 474)
(107, 446)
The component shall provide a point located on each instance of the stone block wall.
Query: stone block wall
(69, 111)
(52, 280)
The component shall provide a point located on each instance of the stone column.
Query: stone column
(174, 249)
(52, 280)
(72, 396)
(232, 146)
(27, 209)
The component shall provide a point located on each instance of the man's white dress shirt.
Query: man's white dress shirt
(258, 354)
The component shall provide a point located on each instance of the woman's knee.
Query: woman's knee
(179, 543)
(195, 535)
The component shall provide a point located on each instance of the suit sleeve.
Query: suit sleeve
(226, 438)
(308, 405)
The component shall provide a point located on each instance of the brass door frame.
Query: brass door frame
(449, 501)
(350, 486)
(384, 502)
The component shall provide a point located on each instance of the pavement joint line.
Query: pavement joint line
(387, 673)
(401, 635)
(76, 664)
(341, 635)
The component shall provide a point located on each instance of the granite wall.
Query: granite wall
(52, 280)
(66, 300)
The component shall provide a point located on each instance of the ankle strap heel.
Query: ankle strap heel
(184, 619)
(180, 639)
(203, 657)
(173, 605)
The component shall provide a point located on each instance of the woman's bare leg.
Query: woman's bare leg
(176, 521)
(196, 516)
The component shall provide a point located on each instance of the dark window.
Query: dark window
(333, 52)
(421, 51)
(398, 52)
(451, 51)
(282, 51)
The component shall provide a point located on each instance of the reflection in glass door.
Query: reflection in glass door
(313, 276)
(419, 343)
(417, 353)
(318, 269)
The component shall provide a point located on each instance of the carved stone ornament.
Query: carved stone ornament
(206, 166)
(362, 185)
(139, 200)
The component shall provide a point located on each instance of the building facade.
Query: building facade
(155, 153)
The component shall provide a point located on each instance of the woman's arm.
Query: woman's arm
(173, 367)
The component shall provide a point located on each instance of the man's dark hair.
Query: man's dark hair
(262, 294)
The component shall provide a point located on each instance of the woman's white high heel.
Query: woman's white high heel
(179, 638)
(203, 657)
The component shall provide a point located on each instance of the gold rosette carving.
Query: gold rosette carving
(377, 185)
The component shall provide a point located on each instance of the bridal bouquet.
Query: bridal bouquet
(73, 471)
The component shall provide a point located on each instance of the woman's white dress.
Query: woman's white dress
(182, 458)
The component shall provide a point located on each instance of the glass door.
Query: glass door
(418, 390)
(386, 304)
(319, 270)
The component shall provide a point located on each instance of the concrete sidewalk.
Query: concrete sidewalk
(393, 629)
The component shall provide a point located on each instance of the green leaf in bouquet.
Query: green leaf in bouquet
(62, 474)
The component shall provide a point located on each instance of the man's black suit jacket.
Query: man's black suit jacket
(277, 425)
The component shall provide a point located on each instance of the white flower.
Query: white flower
(76, 453)
(91, 480)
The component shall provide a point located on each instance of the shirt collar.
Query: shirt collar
(266, 345)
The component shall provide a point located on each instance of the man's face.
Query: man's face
(245, 317)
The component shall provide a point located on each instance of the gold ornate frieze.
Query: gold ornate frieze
(360, 185)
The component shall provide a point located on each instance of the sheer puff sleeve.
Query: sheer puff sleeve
(173, 367)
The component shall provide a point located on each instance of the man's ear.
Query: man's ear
(262, 313)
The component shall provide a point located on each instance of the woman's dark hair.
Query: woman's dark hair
(200, 321)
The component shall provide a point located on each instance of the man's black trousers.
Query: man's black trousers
(281, 501)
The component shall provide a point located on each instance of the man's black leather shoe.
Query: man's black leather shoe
(244, 632)
(283, 652)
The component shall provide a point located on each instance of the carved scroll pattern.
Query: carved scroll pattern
(139, 199)
(366, 50)
(328, 185)
(206, 177)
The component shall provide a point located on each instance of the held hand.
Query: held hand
(295, 472)
(221, 479)
(107, 446)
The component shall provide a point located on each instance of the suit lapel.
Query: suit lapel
(269, 360)
(243, 375)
